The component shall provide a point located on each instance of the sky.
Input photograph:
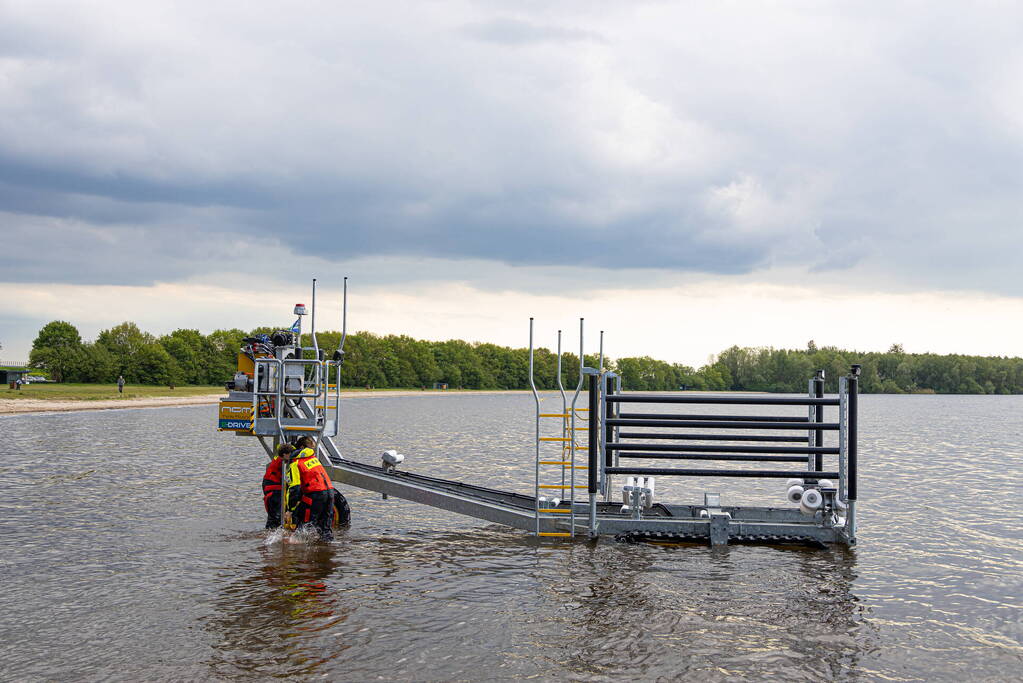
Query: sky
(685, 176)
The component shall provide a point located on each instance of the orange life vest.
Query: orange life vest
(272, 476)
(307, 470)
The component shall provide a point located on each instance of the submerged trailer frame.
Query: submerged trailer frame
(280, 409)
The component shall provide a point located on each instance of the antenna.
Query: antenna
(312, 324)
(340, 353)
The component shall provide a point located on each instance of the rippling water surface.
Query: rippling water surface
(132, 548)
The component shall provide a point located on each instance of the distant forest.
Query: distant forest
(398, 361)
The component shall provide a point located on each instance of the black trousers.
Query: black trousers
(272, 502)
(317, 513)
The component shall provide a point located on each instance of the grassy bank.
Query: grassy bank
(101, 392)
(107, 392)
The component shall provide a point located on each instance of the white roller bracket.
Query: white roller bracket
(795, 490)
(811, 502)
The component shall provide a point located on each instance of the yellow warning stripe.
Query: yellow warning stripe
(554, 533)
(554, 415)
(555, 438)
(558, 510)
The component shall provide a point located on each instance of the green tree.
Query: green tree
(56, 349)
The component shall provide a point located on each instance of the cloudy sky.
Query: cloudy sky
(685, 175)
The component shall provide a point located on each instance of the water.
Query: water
(132, 548)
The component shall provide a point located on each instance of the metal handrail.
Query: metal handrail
(536, 399)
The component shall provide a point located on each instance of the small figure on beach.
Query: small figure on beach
(272, 485)
(120, 384)
(310, 491)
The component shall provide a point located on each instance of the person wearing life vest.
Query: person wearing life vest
(272, 485)
(310, 491)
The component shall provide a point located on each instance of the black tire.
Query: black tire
(342, 515)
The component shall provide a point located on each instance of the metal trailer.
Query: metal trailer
(284, 395)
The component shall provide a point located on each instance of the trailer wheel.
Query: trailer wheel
(342, 512)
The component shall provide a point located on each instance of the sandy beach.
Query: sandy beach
(11, 407)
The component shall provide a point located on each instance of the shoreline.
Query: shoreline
(30, 405)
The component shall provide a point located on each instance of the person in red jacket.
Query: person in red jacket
(272, 485)
(310, 491)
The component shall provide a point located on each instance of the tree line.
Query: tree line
(399, 361)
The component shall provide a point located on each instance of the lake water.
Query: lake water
(132, 548)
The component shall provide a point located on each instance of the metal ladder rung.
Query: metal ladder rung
(555, 438)
(559, 534)
(557, 510)
(554, 415)
(561, 486)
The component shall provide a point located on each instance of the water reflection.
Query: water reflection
(269, 615)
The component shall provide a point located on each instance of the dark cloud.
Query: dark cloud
(607, 139)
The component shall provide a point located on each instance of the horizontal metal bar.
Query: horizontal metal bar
(617, 421)
(556, 534)
(773, 474)
(715, 456)
(724, 400)
(715, 418)
(682, 436)
(722, 448)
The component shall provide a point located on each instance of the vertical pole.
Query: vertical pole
(818, 417)
(593, 438)
(854, 391)
(312, 323)
(565, 433)
(536, 399)
(608, 410)
(843, 439)
(344, 316)
(809, 433)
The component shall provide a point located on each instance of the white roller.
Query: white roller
(793, 482)
(825, 484)
(626, 487)
(810, 502)
(392, 457)
(794, 494)
(651, 490)
(839, 505)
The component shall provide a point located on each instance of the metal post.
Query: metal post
(344, 316)
(593, 439)
(564, 423)
(572, 413)
(536, 399)
(843, 439)
(854, 381)
(818, 417)
(608, 410)
(809, 435)
(312, 325)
